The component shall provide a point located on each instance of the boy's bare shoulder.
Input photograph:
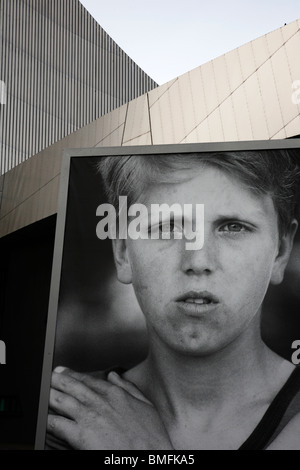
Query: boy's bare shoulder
(289, 438)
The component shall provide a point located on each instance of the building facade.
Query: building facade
(59, 71)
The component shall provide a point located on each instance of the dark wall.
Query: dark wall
(25, 273)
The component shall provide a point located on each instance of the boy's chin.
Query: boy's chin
(200, 347)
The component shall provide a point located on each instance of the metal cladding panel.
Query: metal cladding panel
(61, 71)
(245, 94)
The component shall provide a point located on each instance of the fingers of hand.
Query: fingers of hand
(93, 382)
(73, 387)
(72, 394)
(52, 443)
(63, 429)
(129, 387)
(64, 404)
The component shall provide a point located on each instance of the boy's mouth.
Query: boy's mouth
(200, 298)
(198, 301)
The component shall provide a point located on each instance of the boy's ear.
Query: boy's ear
(285, 248)
(122, 263)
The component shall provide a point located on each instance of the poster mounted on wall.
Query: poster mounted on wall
(173, 318)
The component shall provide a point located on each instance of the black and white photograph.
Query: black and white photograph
(149, 227)
(178, 302)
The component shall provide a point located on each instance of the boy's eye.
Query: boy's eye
(166, 230)
(168, 227)
(233, 227)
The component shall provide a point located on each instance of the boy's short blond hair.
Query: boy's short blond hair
(273, 172)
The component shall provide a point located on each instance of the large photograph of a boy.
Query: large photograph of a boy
(208, 379)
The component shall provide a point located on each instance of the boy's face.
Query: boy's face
(199, 301)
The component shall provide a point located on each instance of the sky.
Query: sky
(167, 38)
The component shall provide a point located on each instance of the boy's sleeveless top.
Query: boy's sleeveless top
(283, 408)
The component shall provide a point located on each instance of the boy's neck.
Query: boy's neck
(242, 370)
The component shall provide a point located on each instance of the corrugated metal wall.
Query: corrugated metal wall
(60, 71)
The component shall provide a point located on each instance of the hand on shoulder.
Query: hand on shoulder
(100, 411)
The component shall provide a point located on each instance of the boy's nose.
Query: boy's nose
(203, 261)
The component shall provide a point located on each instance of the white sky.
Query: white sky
(167, 38)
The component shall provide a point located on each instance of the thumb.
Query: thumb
(129, 387)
